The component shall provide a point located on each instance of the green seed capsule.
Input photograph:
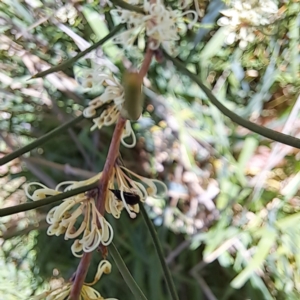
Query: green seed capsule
(133, 104)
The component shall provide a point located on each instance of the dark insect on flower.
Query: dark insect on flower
(130, 198)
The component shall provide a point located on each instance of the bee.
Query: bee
(130, 198)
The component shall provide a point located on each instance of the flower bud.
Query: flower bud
(133, 98)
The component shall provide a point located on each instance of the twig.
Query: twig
(39, 141)
(66, 168)
(39, 173)
(46, 201)
(146, 63)
(277, 154)
(214, 255)
(109, 164)
(266, 132)
(44, 138)
(102, 185)
(79, 55)
(112, 155)
(81, 149)
(62, 117)
(204, 287)
(80, 275)
(177, 251)
(42, 224)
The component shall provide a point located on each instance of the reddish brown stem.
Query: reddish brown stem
(146, 63)
(109, 165)
(81, 272)
(103, 185)
(102, 193)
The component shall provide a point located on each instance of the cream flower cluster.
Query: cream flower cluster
(162, 25)
(67, 13)
(127, 181)
(77, 217)
(63, 218)
(244, 15)
(87, 292)
(112, 95)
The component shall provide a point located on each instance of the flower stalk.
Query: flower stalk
(146, 63)
(103, 183)
(102, 195)
(109, 165)
(80, 275)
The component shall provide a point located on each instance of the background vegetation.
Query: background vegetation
(230, 225)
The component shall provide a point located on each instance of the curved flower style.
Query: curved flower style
(77, 217)
(127, 181)
(87, 292)
(113, 94)
(161, 24)
(63, 218)
(187, 3)
(243, 16)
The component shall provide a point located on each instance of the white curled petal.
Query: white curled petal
(63, 208)
(50, 215)
(41, 193)
(70, 233)
(127, 133)
(91, 241)
(67, 183)
(143, 193)
(77, 248)
(115, 207)
(107, 233)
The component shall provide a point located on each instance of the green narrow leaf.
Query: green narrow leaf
(294, 41)
(264, 131)
(262, 250)
(215, 43)
(100, 29)
(249, 147)
(135, 289)
(292, 187)
(20, 10)
(289, 221)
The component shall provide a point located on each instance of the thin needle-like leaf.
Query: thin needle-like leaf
(266, 132)
(79, 55)
(158, 248)
(128, 6)
(46, 201)
(135, 289)
(44, 138)
(7, 158)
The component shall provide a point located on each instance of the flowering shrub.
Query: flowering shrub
(159, 23)
(243, 18)
(87, 292)
(189, 144)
